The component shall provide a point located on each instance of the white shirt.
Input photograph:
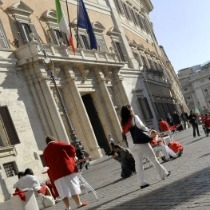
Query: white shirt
(28, 181)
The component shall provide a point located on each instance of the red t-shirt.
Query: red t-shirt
(207, 121)
(59, 157)
(203, 119)
(163, 126)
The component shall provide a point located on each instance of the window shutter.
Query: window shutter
(22, 33)
(84, 41)
(9, 126)
(33, 30)
(3, 40)
(119, 50)
(54, 36)
(101, 43)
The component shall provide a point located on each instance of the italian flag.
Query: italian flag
(62, 24)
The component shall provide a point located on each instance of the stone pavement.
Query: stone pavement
(188, 186)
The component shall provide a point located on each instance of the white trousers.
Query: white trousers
(141, 150)
(170, 152)
(167, 152)
(162, 148)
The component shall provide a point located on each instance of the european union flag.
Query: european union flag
(83, 21)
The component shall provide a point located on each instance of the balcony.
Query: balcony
(33, 51)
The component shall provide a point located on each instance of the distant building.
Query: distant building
(195, 83)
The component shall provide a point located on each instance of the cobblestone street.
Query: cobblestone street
(188, 186)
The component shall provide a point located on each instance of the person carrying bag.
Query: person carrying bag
(138, 142)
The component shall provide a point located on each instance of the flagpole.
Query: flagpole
(70, 32)
(69, 22)
(77, 24)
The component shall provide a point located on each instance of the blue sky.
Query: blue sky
(182, 27)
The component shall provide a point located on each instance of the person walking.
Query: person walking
(184, 118)
(128, 119)
(60, 158)
(193, 120)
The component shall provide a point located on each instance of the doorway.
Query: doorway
(96, 123)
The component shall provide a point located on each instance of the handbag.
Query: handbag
(47, 200)
(139, 136)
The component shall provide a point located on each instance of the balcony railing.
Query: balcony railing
(33, 50)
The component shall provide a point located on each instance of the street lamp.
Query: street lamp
(50, 67)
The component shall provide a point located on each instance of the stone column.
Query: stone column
(78, 114)
(43, 97)
(108, 104)
(122, 98)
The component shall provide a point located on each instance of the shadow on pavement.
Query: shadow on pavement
(194, 141)
(167, 197)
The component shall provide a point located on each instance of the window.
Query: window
(26, 29)
(84, 41)
(140, 21)
(8, 134)
(145, 108)
(58, 37)
(127, 12)
(3, 39)
(135, 20)
(144, 62)
(119, 50)
(118, 6)
(101, 42)
(10, 169)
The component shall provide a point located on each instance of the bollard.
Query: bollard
(29, 204)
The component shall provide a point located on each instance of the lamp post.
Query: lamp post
(50, 67)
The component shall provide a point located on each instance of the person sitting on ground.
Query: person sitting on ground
(29, 181)
(124, 156)
(165, 128)
(158, 145)
(176, 147)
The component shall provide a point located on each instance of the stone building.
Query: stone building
(37, 67)
(195, 83)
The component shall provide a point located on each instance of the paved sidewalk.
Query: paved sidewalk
(188, 186)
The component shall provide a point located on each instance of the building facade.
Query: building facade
(39, 74)
(195, 83)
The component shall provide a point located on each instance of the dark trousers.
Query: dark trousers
(195, 129)
(128, 167)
